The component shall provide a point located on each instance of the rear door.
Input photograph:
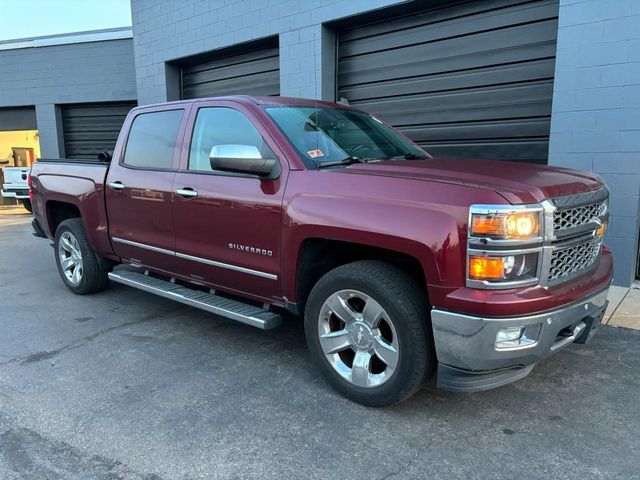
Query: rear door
(138, 188)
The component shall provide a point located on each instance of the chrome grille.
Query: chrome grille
(578, 216)
(566, 262)
(575, 220)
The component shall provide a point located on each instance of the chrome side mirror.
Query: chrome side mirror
(241, 159)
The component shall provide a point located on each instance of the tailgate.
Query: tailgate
(15, 177)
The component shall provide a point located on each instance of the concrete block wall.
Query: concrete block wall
(166, 30)
(595, 124)
(48, 76)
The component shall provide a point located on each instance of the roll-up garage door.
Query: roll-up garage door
(18, 118)
(252, 70)
(472, 80)
(90, 128)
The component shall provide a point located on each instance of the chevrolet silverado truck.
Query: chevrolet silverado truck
(14, 181)
(402, 265)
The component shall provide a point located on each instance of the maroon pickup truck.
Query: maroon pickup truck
(401, 264)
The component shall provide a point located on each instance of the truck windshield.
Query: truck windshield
(336, 136)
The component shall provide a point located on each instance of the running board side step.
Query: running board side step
(232, 309)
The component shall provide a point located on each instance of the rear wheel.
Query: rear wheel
(366, 325)
(26, 203)
(77, 263)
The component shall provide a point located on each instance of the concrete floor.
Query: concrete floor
(124, 385)
(624, 307)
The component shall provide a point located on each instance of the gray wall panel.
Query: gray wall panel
(596, 112)
(45, 76)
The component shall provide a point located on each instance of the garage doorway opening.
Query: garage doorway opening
(464, 79)
(19, 149)
(91, 128)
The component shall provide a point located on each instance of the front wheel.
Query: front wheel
(78, 265)
(366, 325)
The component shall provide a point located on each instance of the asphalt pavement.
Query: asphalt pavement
(125, 385)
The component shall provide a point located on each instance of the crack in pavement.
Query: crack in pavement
(32, 455)
(433, 442)
(47, 354)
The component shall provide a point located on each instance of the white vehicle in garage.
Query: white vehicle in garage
(15, 184)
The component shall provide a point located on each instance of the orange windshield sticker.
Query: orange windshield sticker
(315, 153)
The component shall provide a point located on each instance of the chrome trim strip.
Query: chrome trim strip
(514, 251)
(142, 245)
(206, 261)
(483, 242)
(213, 263)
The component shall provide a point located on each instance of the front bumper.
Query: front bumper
(19, 194)
(466, 345)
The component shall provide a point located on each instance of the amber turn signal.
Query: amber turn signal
(514, 225)
(486, 268)
(487, 226)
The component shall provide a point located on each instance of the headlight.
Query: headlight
(504, 245)
(502, 267)
(507, 225)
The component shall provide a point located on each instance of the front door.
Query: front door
(227, 225)
(139, 192)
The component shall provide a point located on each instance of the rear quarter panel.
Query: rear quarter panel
(79, 184)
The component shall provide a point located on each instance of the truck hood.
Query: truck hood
(517, 182)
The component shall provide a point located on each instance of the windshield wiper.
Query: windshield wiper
(344, 161)
(408, 156)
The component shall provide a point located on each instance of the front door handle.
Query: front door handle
(116, 185)
(187, 192)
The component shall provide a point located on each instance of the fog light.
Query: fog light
(517, 337)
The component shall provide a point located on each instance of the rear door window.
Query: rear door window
(152, 140)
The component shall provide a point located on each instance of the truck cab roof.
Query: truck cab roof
(254, 100)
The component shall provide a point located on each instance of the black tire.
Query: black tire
(94, 277)
(26, 203)
(406, 306)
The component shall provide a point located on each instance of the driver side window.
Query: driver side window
(223, 129)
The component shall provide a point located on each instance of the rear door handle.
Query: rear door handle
(116, 185)
(187, 192)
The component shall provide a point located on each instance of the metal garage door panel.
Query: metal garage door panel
(252, 73)
(525, 43)
(90, 128)
(18, 118)
(438, 25)
(508, 101)
(472, 80)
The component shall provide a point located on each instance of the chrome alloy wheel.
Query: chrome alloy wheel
(70, 257)
(358, 338)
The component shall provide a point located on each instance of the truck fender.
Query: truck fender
(88, 198)
(431, 236)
